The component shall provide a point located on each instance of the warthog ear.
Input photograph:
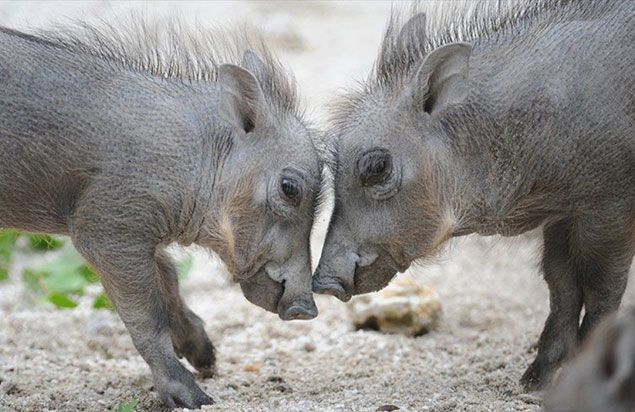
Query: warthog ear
(242, 102)
(412, 32)
(441, 80)
(252, 62)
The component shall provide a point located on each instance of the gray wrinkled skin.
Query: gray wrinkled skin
(504, 125)
(126, 154)
(602, 377)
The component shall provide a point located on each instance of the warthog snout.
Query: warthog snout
(335, 275)
(277, 297)
(302, 308)
(326, 285)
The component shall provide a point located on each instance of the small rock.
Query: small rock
(309, 347)
(253, 367)
(282, 388)
(275, 379)
(402, 307)
(387, 408)
(532, 399)
(9, 388)
(279, 384)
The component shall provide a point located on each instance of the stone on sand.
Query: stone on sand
(402, 307)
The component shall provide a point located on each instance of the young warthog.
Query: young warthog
(505, 121)
(602, 377)
(128, 140)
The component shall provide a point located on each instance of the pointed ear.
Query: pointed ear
(242, 102)
(396, 46)
(441, 79)
(252, 62)
(411, 30)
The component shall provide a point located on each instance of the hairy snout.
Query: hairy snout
(300, 307)
(262, 291)
(327, 283)
(343, 272)
(279, 297)
(335, 274)
(297, 300)
(284, 288)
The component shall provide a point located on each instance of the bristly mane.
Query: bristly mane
(445, 22)
(169, 49)
(476, 22)
(457, 21)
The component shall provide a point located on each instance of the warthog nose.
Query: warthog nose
(297, 312)
(331, 287)
(302, 310)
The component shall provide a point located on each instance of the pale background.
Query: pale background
(493, 297)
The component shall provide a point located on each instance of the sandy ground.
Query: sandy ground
(493, 297)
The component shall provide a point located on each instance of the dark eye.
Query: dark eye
(374, 167)
(290, 190)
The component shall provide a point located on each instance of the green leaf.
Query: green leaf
(66, 274)
(102, 302)
(88, 274)
(64, 282)
(43, 243)
(184, 266)
(65, 263)
(126, 406)
(7, 242)
(61, 280)
(32, 280)
(61, 300)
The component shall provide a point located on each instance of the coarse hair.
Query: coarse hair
(431, 24)
(171, 49)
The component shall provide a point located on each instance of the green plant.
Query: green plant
(126, 406)
(7, 243)
(44, 243)
(8, 239)
(62, 279)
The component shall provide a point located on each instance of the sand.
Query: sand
(494, 300)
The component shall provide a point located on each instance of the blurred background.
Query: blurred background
(61, 348)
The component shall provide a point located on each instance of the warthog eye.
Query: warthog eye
(374, 167)
(291, 190)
